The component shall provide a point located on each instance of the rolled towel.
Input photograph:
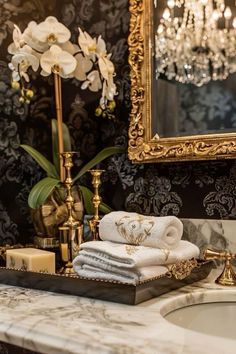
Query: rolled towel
(130, 277)
(109, 255)
(137, 229)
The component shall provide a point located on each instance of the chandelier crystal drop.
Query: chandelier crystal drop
(199, 45)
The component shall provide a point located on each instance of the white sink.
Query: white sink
(212, 314)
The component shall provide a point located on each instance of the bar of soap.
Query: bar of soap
(31, 259)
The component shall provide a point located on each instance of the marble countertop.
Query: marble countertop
(53, 323)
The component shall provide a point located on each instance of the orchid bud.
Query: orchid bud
(98, 112)
(21, 100)
(15, 85)
(111, 105)
(29, 93)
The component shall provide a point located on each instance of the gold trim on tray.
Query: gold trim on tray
(143, 147)
(178, 271)
(183, 268)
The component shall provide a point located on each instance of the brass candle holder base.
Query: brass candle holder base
(93, 225)
(71, 238)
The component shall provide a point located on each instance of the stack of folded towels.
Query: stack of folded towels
(135, 248)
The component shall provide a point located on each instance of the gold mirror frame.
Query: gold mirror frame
(142, 147)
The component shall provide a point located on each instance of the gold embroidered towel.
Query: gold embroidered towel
(129, 277)
(107, 255)
(137, 229)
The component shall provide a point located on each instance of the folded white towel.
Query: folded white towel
(136, 229)
(106, 255)
(131, 277)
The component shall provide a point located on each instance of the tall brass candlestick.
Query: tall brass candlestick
(71, 232)
(94, 222)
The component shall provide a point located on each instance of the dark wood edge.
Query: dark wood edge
(103, 290)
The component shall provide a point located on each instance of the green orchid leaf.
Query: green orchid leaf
(104, 208)
(66, 141)
(87, 199)
(40, 192)
(102, 155)
(66, 137)
(88, 205)
(43, 162)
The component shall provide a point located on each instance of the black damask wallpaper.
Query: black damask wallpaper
(195, 190)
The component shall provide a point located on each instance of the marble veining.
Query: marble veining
(53, 323)
(219, 234)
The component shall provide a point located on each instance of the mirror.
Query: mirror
(171, 120)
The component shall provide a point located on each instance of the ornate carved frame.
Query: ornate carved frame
(142, 147)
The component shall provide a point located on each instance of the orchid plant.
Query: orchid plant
(46, 48)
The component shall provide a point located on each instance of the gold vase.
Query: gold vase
(53, 213)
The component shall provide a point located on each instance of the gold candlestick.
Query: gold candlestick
(71, 232)
(94, 222)
(68, 164)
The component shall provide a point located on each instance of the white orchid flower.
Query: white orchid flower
(106, 67)
(84, 65)
(51, 32)
(48, 45)
(26, 38)
(87, 44)
(69, 47)
(32, 41)
(57, 60)
(101, 48)
(18, 40)
(93, 82)
(110, 89)
(18, 37)
(108, 92)
(15, 74)
(22, 60)
(107, 70)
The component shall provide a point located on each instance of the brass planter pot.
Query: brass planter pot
(53, 213)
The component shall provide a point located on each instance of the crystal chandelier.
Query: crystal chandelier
(198, 45)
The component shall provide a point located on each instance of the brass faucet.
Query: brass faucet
(228, 276)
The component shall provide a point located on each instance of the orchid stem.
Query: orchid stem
(58, 97)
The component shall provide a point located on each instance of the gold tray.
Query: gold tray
(179, 275)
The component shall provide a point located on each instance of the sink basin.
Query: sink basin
(213, 313)
(217, 319)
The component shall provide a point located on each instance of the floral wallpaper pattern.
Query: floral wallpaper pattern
(188, 189)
